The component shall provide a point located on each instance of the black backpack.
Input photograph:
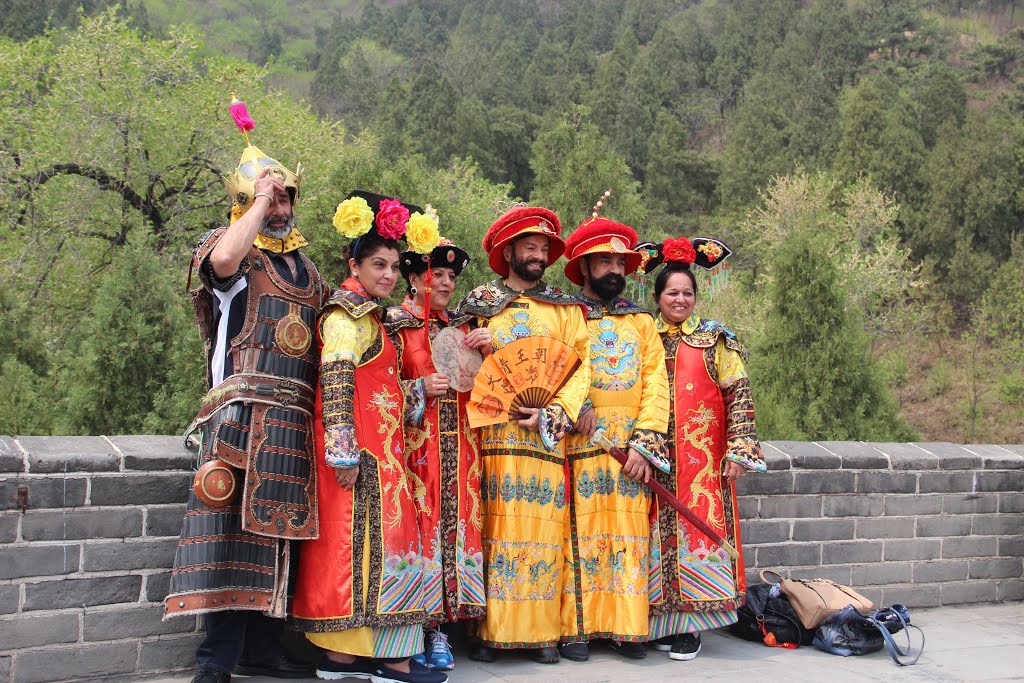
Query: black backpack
(777, 614)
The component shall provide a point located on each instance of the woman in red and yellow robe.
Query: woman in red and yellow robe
(442, 454)
(360, 584)
(694, 584)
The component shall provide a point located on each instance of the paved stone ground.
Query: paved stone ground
(965, 643)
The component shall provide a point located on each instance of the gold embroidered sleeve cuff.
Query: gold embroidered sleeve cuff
(747, 452)
(652, 446)
(415, 401)
(337, 387)
(554, 425)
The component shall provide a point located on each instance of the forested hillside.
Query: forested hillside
(863, 159)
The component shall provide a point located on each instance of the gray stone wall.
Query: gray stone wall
(84, 569)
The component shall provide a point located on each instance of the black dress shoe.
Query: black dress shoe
(630, 650)
(577, 652)
(544, 655)
(279, 668)
(209, 675)
(481, 653)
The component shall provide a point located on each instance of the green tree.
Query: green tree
(127, 351)
(574, 165)
(24, 369)
(813, 376)
(679, 180)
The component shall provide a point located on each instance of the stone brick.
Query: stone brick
(882, 574)
(55, 525)
(912, 596)
(904, 456)
(887, 482)
(154, 453)
(1011, 501)
(945, 482)
(76, 662)
(997, 480)
(998, 525)
(808, 456)
(5, 668)
(853, 506)
(768, 483)
(168, 654)
(775, 507)
(959, 503)
(886, 527)
(9, 526)
(129, 555)
(788, 555)
(1001, 457)
(1000, 568)
(823, 529)
(749, 506)
(756, 531)
(838, 573)
(66, 593)
(851, 551)
(11, 459)
(1014, 448)
(1011, 546)
(971, 591)
(1011, 589)
(912, 549)
(775, 458)
(944, 525)
(47, 454)
(157, 586)
(900, 505)
(141, 489)
(969, 546)
(940, 571)
(166, 521)
(31, 631)
(10, 594)
(951, 456)
(857, 455)
(55, 492)
(838, 481)
(132, 622)
(41, 560)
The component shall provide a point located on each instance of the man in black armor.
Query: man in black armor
(256, 490)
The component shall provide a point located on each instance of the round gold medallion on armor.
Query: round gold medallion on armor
(214, 484)
(292, 335)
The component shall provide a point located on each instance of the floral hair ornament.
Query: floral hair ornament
(679, 250)
(353, 217)
(391, 220)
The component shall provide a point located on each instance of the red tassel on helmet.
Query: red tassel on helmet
(241, 116)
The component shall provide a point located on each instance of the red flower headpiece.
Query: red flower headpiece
(679, 250)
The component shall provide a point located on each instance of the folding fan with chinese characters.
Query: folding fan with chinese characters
(527, 373)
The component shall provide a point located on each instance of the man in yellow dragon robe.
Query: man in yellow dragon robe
(607, 539)
(523, 488)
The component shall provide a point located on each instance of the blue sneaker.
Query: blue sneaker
(439, 653)
(420, 659)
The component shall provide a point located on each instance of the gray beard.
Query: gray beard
(277, 233)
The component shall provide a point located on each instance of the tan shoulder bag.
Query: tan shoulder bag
(815, 600)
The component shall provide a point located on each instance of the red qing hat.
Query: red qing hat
(522, 220)
(600, 236)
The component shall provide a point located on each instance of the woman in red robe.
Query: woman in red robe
(441, 453)
(360, 584)
(694, 584)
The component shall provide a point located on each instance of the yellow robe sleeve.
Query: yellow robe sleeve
(648, 436)
(570, 398)
(345, 337)
(742, 445)
(345, 340)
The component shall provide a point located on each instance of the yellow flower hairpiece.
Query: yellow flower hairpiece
(421, 232)
(353, 217)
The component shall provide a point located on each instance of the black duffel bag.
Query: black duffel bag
(767, 607)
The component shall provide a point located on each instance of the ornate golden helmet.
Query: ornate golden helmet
(241, 183)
